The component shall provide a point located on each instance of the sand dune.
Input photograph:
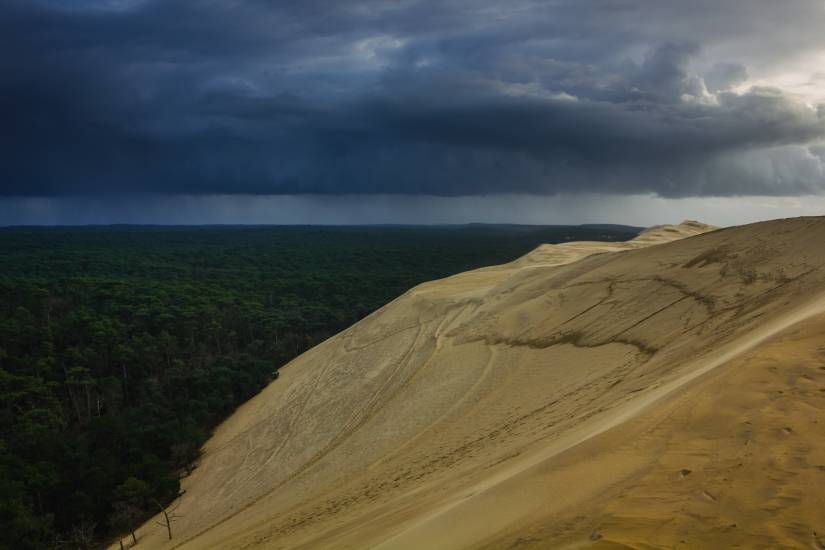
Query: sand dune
(665, 392)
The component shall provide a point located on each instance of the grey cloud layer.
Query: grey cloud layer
(446, 98)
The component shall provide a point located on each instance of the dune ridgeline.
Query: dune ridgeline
(666, 392)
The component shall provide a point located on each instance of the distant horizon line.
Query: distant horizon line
(187, 225)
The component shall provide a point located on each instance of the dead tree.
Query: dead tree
(126, 516)
(168, 516)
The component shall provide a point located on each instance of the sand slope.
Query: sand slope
(615, 395)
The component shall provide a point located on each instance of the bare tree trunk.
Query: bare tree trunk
(125, 383)
(88, 403)
(166, 516)
(73, 397)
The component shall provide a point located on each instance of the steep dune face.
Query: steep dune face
(606, 394)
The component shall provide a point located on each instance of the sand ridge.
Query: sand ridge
(451, 417)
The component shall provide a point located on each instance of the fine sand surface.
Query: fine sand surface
(667, 392)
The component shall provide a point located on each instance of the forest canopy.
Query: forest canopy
(122, 347)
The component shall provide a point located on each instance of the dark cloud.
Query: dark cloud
(416, 97)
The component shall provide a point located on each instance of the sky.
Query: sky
(405, 111)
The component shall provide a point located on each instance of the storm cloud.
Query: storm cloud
(205, 97)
